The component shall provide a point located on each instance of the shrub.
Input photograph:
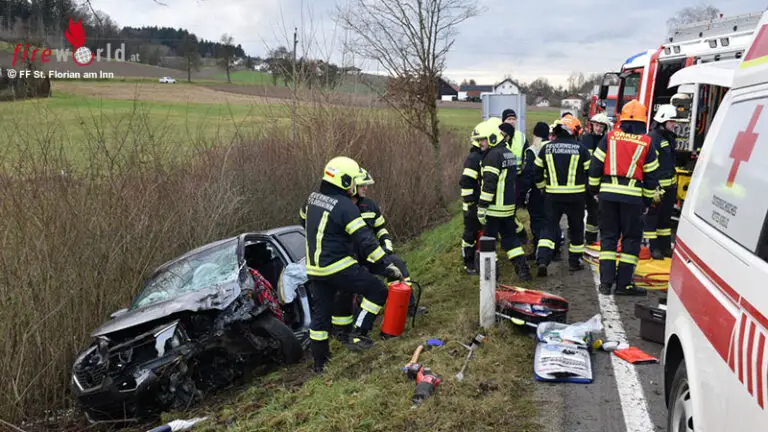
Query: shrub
(80, 232)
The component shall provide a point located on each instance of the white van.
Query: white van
(715, 360)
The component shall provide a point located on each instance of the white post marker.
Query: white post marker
(487, 282)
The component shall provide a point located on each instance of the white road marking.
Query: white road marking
(631, 395)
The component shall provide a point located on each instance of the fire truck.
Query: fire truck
(645, 76)
(706, 46)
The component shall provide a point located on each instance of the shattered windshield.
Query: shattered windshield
(206, 269)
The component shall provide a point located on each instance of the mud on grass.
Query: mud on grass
(367, 392)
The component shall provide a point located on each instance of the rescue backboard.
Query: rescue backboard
(495, 104)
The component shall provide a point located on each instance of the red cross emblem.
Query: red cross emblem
(743, 146)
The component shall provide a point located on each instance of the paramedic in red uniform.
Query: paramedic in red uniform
(623, 175)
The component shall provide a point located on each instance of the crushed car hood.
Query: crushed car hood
(206, 299)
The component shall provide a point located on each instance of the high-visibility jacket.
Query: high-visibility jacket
(470, 178)
(591, 141)
(335, 230)
(499, 173)
(517, 145)
(562, 167)
(624, 166)
(373, 217)
(665, 144)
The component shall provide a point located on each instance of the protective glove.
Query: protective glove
(658, 195)
(388, 246)
(392, 272)
(481, 215)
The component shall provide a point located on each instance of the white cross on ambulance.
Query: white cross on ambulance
(716, 352)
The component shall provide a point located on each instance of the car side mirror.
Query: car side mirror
(118, 313)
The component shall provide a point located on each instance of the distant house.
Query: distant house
(542, 102)
(506, 87)
(445, 91)
(350, 70)
(573, 102)
(471, 91)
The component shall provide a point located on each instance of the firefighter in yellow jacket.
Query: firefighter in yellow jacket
(496, 207)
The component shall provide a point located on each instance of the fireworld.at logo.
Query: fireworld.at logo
(81, 54)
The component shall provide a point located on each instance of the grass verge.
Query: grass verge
(367, 392)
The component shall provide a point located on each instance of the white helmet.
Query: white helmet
(665, 113)
(601, 118)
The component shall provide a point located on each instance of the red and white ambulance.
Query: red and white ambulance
(715, 357)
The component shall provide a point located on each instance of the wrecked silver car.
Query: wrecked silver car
(201, 321)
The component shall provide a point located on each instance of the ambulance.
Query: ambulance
(715, 362)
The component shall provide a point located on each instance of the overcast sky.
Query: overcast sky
(546, 38)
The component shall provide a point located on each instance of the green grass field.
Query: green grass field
(248, 77)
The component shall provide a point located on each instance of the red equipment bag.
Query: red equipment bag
(635, 355)
(531, 306)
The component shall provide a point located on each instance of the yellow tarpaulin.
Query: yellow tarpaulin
(649, 273)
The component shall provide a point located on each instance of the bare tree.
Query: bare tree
(227, 54)
(409, 39)
(692, 14)
(191, 55)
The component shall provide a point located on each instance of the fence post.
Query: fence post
(487, 282)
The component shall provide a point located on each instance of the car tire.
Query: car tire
(290, 346)
(680, 409)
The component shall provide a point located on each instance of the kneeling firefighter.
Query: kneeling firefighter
(623, 173)
(470, 194)
(496, 208)
(562, 166)
(658, 220)
(335, 228)
(600, 124)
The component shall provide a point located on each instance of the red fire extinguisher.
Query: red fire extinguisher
(396, 309)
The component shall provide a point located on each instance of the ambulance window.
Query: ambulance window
(730, 194)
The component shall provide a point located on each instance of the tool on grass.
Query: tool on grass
(412, 368)
(426, 383)
(473, 345)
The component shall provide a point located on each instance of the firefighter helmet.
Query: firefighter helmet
(634, 111)
(342, 172)
(601, 118)
(665, 113)
(366, 179)
(564, 124)
(489, 130)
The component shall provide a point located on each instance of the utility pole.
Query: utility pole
(295, 43)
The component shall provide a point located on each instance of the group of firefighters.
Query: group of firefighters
(623, 179)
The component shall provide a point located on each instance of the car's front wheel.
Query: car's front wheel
(289, 349)
(680, 409)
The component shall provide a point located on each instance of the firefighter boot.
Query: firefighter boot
(606, 289)
(575, 265)
(358, 341)
(541, 270)
(631, 290)
(468, 253)
(523, 271)
(657, 252)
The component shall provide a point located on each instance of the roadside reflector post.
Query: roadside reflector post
(487, 282)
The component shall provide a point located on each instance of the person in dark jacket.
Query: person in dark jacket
(517, 143)
(599, 126)
(496, 207)
(561, 167)
(470, 194)
(658, 221)
(335, 229)
(622, 173)
(533, 197)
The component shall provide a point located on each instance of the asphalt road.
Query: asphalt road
(598, 407)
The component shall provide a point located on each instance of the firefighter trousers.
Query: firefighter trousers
(658, 221)
(353, 280)
(506, 227)
(538, 217)
(593, 214)
(625, 221)
(345, 303)
(574, 212)
(469, 238)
